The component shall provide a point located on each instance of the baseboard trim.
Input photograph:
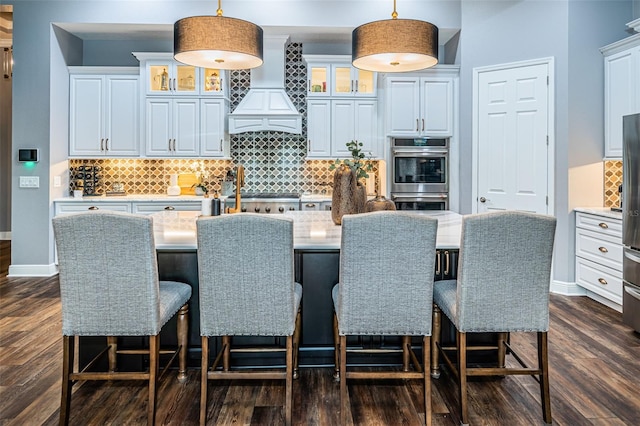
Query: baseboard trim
(33, 270)
(567, 288)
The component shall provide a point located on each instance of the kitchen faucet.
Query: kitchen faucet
(239, 185)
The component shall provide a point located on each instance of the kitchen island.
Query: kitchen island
(317, 255)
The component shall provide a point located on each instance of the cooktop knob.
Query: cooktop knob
(256, 209)
(291, 208)
(267, 209)
(281, 209)
(243, 209)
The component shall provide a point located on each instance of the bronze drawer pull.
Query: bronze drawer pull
(603, 249)
(603, 225)
(602, 281)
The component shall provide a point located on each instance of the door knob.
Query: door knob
(482, 199)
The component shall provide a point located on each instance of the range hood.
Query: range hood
(266, 106)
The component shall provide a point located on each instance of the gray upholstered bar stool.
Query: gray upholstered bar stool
(503, 283)
(247, 288)
(386, 283)
(109, 287)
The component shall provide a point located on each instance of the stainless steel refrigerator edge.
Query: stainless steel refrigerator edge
(631, 220)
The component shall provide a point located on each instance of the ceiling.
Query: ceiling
(134, 32)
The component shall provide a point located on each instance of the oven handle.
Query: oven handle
(420, 152)
(419, 197)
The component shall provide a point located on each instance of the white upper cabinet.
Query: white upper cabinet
(421, 105)
(104, 117)
(172, 127)
(333, 75)
(214, 134)
(341, 107)
(621, 90)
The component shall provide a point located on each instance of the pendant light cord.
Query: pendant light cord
(394, 15)
(219, 11)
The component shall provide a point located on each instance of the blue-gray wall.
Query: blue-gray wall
(492, 32)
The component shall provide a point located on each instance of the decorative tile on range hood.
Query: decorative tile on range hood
(267, 106)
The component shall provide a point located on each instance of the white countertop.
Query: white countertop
(133, 197)
(313, 230)
(600, 211)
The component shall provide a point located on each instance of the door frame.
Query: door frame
(475, 122)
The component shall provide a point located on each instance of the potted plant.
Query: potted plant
(349, 193)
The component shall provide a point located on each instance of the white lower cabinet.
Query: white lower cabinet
(65, 207)
(598, 259)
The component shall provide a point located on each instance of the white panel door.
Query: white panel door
(620, 98)
(86, 126)
(212, 127)
(318, 128)
(158, 126)
(512, 151)
(122, 122)
(342, 127)
(403, 106)
(365, 131)
(437, 107)
(186, 120)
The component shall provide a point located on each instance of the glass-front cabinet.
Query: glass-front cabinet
(333, 75)
(164, 76)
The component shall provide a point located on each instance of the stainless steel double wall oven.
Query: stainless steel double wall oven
(420, 173)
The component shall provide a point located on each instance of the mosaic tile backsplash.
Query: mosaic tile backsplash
(612, 179)
(273, 161)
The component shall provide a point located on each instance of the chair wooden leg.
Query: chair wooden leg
(296, 344)
(426, 357)
(344, 397)
(226, 355)
(204, 377)
(112, 353)
(67, 384)
(336, 348)
(461, 340)
(154, 346)
(435, 341)
(543, 365)
(502, 350)
(288, 403)
(183, 341)
(406, 347)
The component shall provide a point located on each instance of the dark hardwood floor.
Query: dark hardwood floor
(594, 359)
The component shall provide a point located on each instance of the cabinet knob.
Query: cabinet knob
(603, 225)
(310, 205)
(483, 200)
(169, 208)
(93, 208)
(603, 249)
(602, 281)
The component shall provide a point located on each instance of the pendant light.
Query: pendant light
(395, 45)
(217, 42)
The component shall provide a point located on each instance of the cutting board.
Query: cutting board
(187, 182)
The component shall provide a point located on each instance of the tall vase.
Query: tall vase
(349, 196)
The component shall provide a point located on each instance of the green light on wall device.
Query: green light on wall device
(395, 45)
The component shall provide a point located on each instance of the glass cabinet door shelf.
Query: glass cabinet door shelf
(318, 79)
(166, 77)
(333, 75)
(212, 81)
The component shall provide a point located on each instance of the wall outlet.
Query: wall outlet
(29, 182)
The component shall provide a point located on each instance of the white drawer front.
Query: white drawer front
(604, 225)
(66, 208)
(599, 279)
(603, 249)
(148, 208)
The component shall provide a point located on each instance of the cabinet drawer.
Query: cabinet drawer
(66, 208)
(604, 225)
(599, 279)
(603, 249)
(148, 208)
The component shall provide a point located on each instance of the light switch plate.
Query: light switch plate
(29, 182)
